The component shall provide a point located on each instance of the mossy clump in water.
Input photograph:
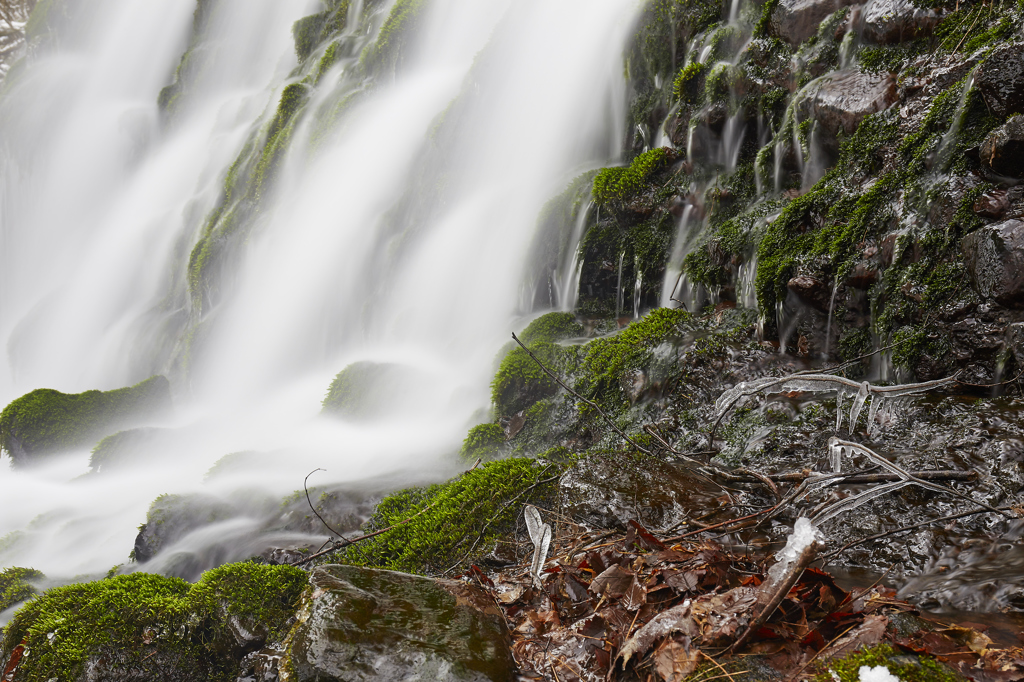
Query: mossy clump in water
(454, 521)
(16, 585)
(551, 328)
(363, 389)
(620, 183)
(919, 669)
(387, 52)
(484, 441)
(158, 628)
(46, 420)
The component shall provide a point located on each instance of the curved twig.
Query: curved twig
(310, 502)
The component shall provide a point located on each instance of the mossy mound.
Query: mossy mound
(46, 421)
(172, 517)
(551, 328)
(368, 389)
(16, 585)
(143, 626)
(123, 448)
(905, 668)
(452, 522)
(484, 441)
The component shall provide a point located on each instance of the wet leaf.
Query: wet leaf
(644, 536)
(976, 641)
(671, 621)
(635, 597)
(674, 660)
(612, 582)
(684, 581)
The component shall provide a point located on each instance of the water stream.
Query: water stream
(102, 203)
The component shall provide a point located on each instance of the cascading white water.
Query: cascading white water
(101, 206)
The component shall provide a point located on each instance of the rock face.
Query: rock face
(995, 260)
(1001, 81)
(844, 99)
(893, 21)
(797, 20)
(1003, 149)
(46, 421)
(367, 624)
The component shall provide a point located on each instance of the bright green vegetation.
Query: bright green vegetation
(16, 585)
(484, 441)
(551, 328)
(688, 87)
(920, 670)
(46, 420)
(186, 626)
(617, 184)
(460, 518)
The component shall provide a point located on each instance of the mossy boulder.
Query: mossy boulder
(47, 421)
(126, 448)
(149, 627)
(551, 328)
(484, 441)
(172, 517)
(369, 390)
(365, 624)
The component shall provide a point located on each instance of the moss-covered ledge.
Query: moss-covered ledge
(46, 421)
(154, 628)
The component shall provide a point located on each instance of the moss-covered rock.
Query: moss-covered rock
(17, 585)
(148, 627)
(450, 523)
(904, 668)
(171, 517)
(484, 441)
(551, 328)
(365, 390)
(366, 624)
(126, 448)
(46, 421)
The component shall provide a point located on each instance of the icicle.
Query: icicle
(858, 404)
(851, 503)
(835, 454)
(804, 534)
(840, 394)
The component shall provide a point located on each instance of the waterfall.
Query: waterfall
(399, 234)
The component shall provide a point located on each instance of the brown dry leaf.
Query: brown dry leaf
(684, 581)
(612, 582)
(675, 661)
(507, 593)
(868, 633)
(720, 616)
(673, 556)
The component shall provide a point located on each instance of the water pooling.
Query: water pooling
(103, 203)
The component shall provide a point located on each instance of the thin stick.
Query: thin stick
(854, 479)
(818, 652)
(311, 503)
(719, 666)
(1001, 383)
(591, 403)
(831, 555)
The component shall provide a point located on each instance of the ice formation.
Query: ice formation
(804, 535)
(877, 674)
(540, 536)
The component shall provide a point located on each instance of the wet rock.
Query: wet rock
(172, 517)
(841, 101)
(608, 492)
(368, 624)
(893, 21)
(992, 204)
(995, 260)
(864, 274)
(1015, 342)
(1003, 149)
(1001, 81)
(797, 20)
(46, 421)
(811, 291)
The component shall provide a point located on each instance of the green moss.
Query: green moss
(463, 517)
(46, 420)
(606, 360)
(387, 51)
(16, 585)
(520, 381)
(763, 26)
(688, 86)
(484, 441)
(550, 328)
(617, 184)
(310, 31)
(186, 625)
(363, 389)
(921, 669)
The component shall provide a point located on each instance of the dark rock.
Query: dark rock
(368, 624)
(1003, 149)
(893, 21)
(1001, 80)
(992, 204)
(864, 274)
(47, 421)
(995, 260)
(811, 291)
(797, 20)
(608, 493)
(841, 101)
(172, 517)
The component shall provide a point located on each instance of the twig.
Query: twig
(719, 666)
(878, 536)
(310, 502)
(591, 403)
(854, 479)
(1001, 383)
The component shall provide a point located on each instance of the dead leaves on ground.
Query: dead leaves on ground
(633, 608)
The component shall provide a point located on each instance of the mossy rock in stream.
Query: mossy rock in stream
(368, 390)
(149, 627)
(16, 585)
(46, 421)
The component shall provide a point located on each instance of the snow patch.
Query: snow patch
(877, 674)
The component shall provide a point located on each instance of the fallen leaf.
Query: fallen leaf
(612, 582)
(675, 661)
(635, 597)
(976, 641)
(671, 621)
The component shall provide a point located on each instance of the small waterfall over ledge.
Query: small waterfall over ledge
(375, 242)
